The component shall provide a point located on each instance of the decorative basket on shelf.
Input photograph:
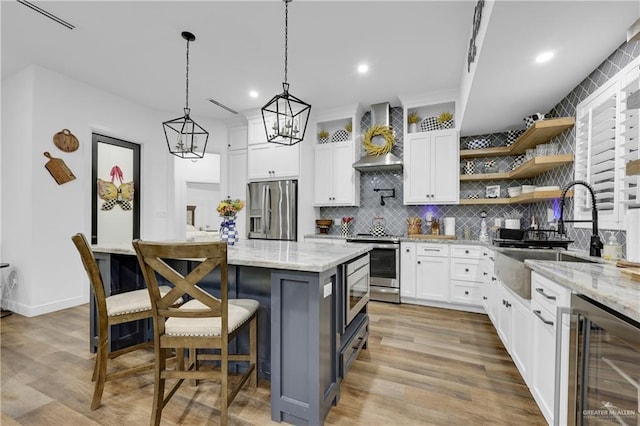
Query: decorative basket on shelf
(445, 120)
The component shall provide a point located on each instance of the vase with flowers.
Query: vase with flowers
(228, 210)
(344, 227)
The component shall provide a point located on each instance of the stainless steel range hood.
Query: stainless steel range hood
(380, 114)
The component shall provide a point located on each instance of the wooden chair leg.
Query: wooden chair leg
(193, 360)
(179, 361)
(224, 383)
(253, 351)
(101, 369)
(158, 388)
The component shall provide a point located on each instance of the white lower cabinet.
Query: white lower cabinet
(521, 335)
(547, 297)
(407, 270)
(440, 274)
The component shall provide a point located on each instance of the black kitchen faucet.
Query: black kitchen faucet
(595, 247)
(382, 197)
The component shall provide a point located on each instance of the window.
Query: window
(606, 139)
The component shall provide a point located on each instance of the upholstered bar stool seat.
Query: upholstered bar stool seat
(132, 302)
(240, 311)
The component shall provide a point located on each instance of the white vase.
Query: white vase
(413, 127)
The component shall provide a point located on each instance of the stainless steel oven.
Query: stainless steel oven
(604, 366)
(384, 266)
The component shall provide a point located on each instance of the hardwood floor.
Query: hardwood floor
(424, 366)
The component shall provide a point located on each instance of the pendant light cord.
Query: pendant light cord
(187, 96)
(286, 36)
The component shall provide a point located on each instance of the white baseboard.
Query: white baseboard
(33, 311)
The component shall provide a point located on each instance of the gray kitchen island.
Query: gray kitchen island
(304, 341)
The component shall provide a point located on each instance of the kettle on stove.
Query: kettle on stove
(377, 227)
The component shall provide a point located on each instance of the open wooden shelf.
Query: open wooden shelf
(531, 197)
(540, 132)
(531, 168)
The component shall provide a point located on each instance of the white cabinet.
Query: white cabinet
(272, 161)
(336, 182)
(503, 320)
(547, 297)
(466, 274)
(255, 131)
(237, 138)
(520, 349)
(407, 270)
(431, 167)
(237, 174)
(432, 272)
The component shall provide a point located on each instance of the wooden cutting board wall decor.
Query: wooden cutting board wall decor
(58, 169)
(66, 141)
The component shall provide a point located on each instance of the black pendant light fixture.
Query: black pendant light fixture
(185, 137)
(285, 117)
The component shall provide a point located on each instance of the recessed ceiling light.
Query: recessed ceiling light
(253, 93)
(363, 68)
(544, 57)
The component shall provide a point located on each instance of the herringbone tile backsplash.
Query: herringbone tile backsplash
(395, 214)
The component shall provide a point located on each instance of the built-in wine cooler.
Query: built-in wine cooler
(604, 366)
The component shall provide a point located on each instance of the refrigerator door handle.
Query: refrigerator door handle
(263, 213)
(268, 209)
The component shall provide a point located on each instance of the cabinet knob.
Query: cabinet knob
(466, 252)
(418, 262)
(494, 279)
(408, 250)
(507, 304)
(484, 254)
(466, 293)
(466, 269)
(484, 297)
(485, 274)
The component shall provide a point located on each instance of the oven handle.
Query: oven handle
(394, 246)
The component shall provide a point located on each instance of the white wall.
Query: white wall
(40, 216)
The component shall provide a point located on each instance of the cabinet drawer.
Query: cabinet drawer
(465, 292)
(549, 294)
(466, 252)
(466, 270)
(434, 250)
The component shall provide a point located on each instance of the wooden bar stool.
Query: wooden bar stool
(204, 322)
(112, 310)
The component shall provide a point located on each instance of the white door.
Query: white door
(432, 278)
(342, 175)
(286, 160)
(417, 169)
(259, 161)
(445, 170)
(323, 175)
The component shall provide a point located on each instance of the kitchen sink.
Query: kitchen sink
(511, 270)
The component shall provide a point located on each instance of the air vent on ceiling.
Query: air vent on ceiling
(47, 14)
(223, 106)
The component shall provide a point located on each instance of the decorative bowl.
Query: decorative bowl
(478, 144)
(324, 222)
(528, 188)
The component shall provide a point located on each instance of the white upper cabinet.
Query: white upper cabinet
(255, 131)
(237, 138)
(431, 152)
(336, 182)
(267, 161)
(431, 167)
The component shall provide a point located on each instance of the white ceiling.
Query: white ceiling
(134, 50)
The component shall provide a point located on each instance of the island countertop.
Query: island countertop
(289, 255)
(603, 283)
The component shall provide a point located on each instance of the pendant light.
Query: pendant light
(285, 117)
(185, 137)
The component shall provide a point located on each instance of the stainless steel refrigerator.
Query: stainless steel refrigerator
(273, 210)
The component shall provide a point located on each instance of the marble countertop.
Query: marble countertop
(288, 255)
(602, 282)
(403, 239)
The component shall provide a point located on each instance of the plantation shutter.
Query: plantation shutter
(630, 124)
